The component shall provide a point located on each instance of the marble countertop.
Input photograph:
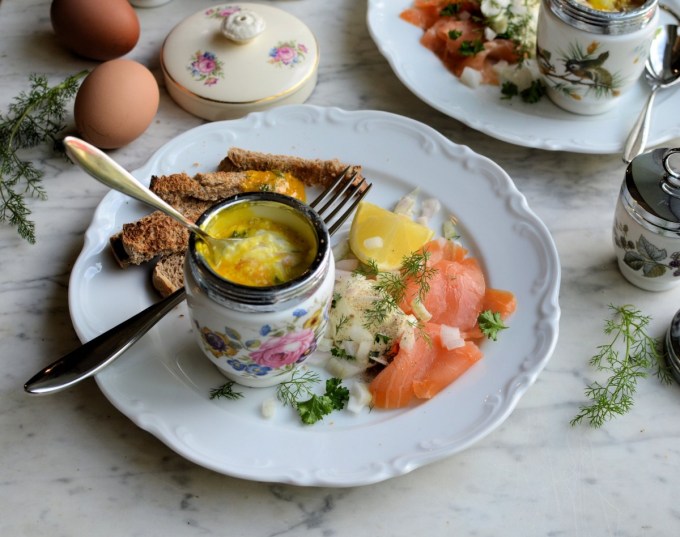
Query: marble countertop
(71, 464)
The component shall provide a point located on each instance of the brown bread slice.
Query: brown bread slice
(168, 274)
(214, 186)
(159, 235)
(310, 171)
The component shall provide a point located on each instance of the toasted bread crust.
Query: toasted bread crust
(214, 186)
(159, 235)
(311, 172)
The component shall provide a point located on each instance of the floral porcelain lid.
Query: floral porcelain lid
(240, 53)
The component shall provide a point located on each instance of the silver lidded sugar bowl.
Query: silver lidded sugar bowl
(646, 228)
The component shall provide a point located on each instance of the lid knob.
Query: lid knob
(243, 26)
(671, 164)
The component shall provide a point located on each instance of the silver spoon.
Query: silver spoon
(662, 70)
(107, 171)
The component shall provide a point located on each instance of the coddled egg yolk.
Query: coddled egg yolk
(266, 253)
(614, 5)
(274, 181)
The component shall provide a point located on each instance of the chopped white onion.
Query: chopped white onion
(472, 78)
(347, 265)
(451, 338)
(406, 204)
(359, 397)
(420, 311)
(324, 344)
(269, 407)
(430, 207)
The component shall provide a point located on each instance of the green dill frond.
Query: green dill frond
(628, 357)
(300, 385)
(34, 117)
(226, 391)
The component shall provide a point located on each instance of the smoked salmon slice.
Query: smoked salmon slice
(421, 371)
(445, 368)
(393, 386)
(456, 293)
(455, 32)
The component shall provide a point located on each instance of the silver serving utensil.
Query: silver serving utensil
(99, 352)
(107, 171)
(335, 204)
(662, 70)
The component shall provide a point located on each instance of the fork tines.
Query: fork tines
(343, 193)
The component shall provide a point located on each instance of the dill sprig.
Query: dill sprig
(226, 391)
(33, 117)
(299, 386)
(640, 354)
(391, 286)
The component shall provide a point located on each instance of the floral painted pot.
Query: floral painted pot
(226, 61)
(589, 58)
(258, 336)
(646, 231)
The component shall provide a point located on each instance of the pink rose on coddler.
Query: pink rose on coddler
(285, 55)
(284, 350)
(206, 63)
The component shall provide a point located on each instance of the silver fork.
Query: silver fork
(338, 201)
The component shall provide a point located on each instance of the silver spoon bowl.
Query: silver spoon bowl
(107, 171)
(662, 70)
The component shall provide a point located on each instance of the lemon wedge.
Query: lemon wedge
(385, 237)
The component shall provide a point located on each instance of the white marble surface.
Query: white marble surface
(71, 464)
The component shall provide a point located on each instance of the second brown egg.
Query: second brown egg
(116, 103)
(95, 29)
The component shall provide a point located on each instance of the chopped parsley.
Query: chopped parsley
(490, 323)
(455, 34)
(382, 338)
(317, 406)
(530, 95)
(342, 353)
(471, 48)
(449, 10)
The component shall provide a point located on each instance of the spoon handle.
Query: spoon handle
(107, 171)
(99, 352)
(637, 139)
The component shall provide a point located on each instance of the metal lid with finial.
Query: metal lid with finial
(652, 190)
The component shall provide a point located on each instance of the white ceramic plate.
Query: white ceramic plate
(542, 125)
(163, 382)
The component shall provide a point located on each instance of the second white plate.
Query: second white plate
(542, 125)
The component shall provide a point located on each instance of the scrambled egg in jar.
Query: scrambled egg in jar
(613, 5)
(268, 251)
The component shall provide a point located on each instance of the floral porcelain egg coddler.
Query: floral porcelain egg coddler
(590, 52)
(647, 221)
(259, 307)
(232, 59)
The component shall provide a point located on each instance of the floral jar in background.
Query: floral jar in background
(226, 61)
(260, 321)
(590, 53)
(647, 221)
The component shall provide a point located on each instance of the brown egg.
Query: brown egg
(116, 103)
(95, 29)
